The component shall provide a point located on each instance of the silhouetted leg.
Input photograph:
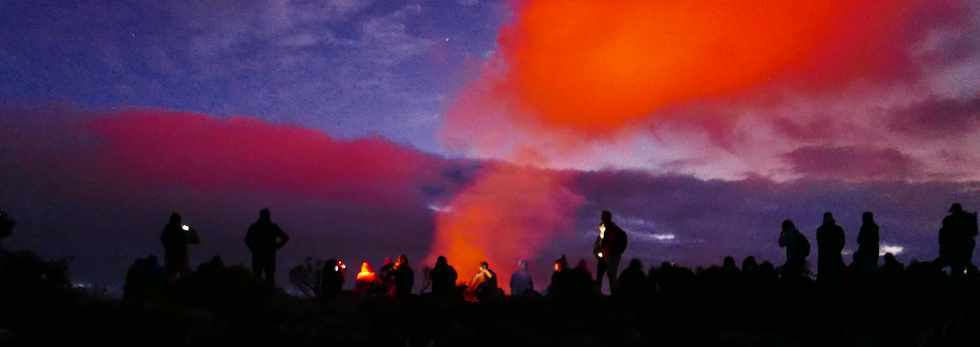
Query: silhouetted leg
(270, 271)
(257, 266)
(613, 271)
(600, 270)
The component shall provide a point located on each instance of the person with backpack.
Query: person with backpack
(797, 249)
(957, 240)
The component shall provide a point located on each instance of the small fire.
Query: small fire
(366, 275)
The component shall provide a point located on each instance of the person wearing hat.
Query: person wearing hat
(957, 239)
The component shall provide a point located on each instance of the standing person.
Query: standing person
(403, 277)
(866, 256)
(608, 250)
(830, 243)
(797, 249)
(521, 283)
(176, 237)
(263, 239)
(444, 277)
(6, 225)
(483, 286)
(957, 239)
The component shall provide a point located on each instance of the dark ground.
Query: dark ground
(222, 306)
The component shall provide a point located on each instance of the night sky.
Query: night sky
(483, 129)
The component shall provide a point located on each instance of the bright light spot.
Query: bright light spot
(185, 227)
(893, 249)
(663, 237)
(600, 254)
(336, 268)
(440, 209)
(846, 251)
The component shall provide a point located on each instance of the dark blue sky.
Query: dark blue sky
(349, 67)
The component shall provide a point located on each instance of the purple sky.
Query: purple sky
(334, 114)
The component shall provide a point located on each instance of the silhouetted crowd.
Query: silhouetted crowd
(756, 290)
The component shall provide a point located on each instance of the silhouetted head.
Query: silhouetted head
(175, 218)
(265, 215)
(561, 264)
(729, 263)
(956, 208)
(868, 217)
(636, 264)
(484, 265)
(788, 225)
(386, 261)
(582, 266)
(749, 263)
(606, 216)
(441, 261)
(522, 265)
(828, 218)
(402, 261)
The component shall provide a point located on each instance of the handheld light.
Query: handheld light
(185, 227)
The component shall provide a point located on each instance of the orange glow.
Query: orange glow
(366, 275)
(508, 213)
(603, 65)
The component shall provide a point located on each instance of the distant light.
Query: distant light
(440, 209)
(663, 237)
(600, 254)
(336, 268)
(893, 249)
(185, 227)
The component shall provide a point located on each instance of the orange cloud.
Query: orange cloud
(602, 65)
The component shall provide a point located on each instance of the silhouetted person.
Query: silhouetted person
(263, 239)
(521, 283)
(957, 240)
(797, 249)
(891, 265)
(402, 277)
(582, 284)
(332, 278)
(386, 275)
(830, 243)
(176, 237)
(366, 281)
(632, 282)
(444, 278)
(144, 280)
(483, 286)
(7, 225)
(750, 265)
(608, 250)
(866, 256)
(560, 281)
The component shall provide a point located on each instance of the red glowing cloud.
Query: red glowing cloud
(585, 66)
(222, 155)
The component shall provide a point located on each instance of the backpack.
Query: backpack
(805, 245)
